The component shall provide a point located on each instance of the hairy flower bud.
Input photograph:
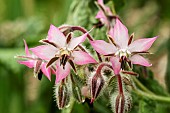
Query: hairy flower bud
(77, 93)
(97, 84)
(62, 95)
(121, 103)
(98, 80)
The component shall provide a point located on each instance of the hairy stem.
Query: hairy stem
(152, 96)
(120, 84)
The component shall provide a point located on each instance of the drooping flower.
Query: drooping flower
(61, 51)
(105, 15)
(121, 48)
(32, 61)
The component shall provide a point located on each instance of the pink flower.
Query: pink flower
(105, 15)
(62, 52)
(122, 48)
(33, 61)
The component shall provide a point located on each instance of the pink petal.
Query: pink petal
(115, 64)
(26, 49)
(45, 52)
(137, 59)
(141, 44)
(100, 15)
(60, 72)
(119, 34)
(29, 63)
(82, 58)
(76, 41)
(100, 2)
(103, 47)
(56, 36)
(107, 9)
(46, 71)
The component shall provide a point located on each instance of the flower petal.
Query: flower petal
(103, 47)
(76, 41)
(119, 34)
(56, 36)
(115, 64)
(60, 72)
(45, 52)
(101, 16)
(26, 49)
(46, 71)
(141, 44)
(137, 59)
(100, 2)
(29, 63)
(82, 58)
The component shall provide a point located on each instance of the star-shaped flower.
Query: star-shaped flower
(33, 61)
(122, 49)
(61, 51)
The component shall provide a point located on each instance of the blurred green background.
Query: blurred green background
(20, 92)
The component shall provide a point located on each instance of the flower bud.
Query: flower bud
(62, 95)
(77, 93)
(121, 103)
(97, 82)
(96, 86)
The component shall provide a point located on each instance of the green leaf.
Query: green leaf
(146, 106)
(118, 4)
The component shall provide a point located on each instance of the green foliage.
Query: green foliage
(32, 23)
(167, 77)
(118, 4)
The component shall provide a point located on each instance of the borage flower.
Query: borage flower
(62, 52)
(105, 15)
(33, 61)
(122, 49)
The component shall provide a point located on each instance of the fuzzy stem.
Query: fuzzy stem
(152, 96)
(120, 84)
(101, 66)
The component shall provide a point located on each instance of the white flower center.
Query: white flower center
(65, 51)
(123, 52)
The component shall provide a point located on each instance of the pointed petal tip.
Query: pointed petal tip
(120, 34)
(52, 26)
(26, 48)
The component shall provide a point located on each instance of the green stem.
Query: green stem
(152, 96)
(141, 86)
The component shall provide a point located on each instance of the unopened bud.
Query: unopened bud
(77, 93)
(121, 103)
(62, 95)
(96, 86)
(97, 82)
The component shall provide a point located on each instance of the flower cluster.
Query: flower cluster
(61, 51)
